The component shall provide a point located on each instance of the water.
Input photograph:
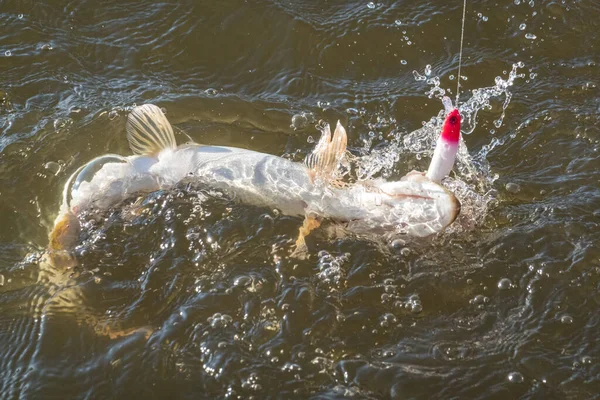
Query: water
(187, 293)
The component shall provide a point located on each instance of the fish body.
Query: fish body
(414, 205)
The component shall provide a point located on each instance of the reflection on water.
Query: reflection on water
(188, 293)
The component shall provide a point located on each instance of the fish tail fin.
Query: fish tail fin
(149, 131)
(65, 232)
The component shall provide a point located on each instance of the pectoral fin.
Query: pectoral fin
(310, 223)
(328, 153)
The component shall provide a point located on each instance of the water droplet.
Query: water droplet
(428, 70)
(513, 187)
(113, 114)
(211, 92)
(530, 36)
(566, 319)
(522, 27)
(504, 284)
(7, 53)
(398, 22)
(1, 280)
(517, 2)
(516, 377)
(403, 62)
(371, 5)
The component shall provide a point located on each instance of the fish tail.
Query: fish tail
(65, 233)
(148, 131)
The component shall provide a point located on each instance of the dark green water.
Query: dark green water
(505, 304)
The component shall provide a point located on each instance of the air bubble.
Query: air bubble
(62, 123)
(388, 320)
(480, 299)
(53, 167)
(7, 53)
(516, 377)
(504, 284)
(219, 320)
(513, 187)
(371, 5)
(530, 36)
(586, 360)
(522, 27)
(299, 121)
(566, 319)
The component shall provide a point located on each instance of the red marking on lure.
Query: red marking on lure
(451, 129)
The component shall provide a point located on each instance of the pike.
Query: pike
(416, 205)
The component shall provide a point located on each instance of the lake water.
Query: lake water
(201, 290)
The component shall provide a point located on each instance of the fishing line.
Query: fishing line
(462, 37)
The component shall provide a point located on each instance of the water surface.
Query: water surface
(505, 304)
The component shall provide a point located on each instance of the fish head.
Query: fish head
(414, 206)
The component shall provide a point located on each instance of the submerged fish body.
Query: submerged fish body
(414, 205)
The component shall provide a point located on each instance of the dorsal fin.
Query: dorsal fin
(325, 158)
(149, 131)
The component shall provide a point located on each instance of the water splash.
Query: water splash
(473, 178)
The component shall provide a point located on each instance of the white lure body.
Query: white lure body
(443, 159)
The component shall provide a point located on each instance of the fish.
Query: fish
(415, 205)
